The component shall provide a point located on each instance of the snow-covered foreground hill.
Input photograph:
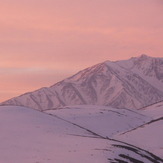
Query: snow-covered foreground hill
(143, 128)
(30, 136)
(149, 135)
(154, 111)
(106, 121)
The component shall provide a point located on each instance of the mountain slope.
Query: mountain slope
(133, 83)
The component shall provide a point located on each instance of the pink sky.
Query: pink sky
(45, 41)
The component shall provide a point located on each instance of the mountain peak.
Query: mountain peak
(143, 59)
(147, 57)
(144, 56)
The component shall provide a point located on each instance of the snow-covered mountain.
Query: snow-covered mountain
(132, 83)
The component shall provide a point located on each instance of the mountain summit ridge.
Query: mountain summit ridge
(131, 84)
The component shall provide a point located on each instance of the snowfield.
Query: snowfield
(74, 134)
(154, 111)
(106, 121)
(29, 136)
(149, 135)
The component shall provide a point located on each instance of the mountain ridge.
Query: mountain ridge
(132, 84)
